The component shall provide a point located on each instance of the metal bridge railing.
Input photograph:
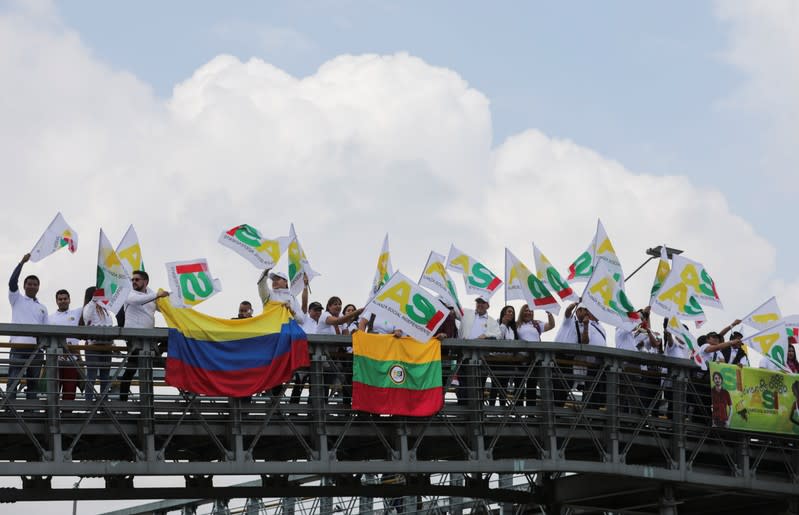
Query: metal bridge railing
(510, 408)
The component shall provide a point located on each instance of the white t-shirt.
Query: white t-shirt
(478, 326)
(567, 332)
(70, 317)
(25, 310)
(506, 333)
(310, 325)
(528, 332)
(323, 327)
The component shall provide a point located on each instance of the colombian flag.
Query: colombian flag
(232, 358)
(396, 376)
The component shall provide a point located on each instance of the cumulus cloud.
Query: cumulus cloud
(764, 45)
(367, 144)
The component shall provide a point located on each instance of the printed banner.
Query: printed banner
(479, 280)
(764, 316)
(384, 269)
(191, 282)
(113, 281)
(436, 279)
(771, 343)
(522, 284)
(550, 276)
(57, 236)
(600, 249)
(605, 299)
(129, 251)
(247, 241)
(754, 399)
(409, 307)
(298, 264)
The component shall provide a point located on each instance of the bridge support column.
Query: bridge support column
(366, 504)
(288, 504)
(253, 506)
(220, 507)
(326, 503)
(456, 503)
(506, 482)
(53, 410)
(147, 400)
(667, 505)
(613, 369)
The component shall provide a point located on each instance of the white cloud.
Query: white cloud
(764, 45)
(366, 145)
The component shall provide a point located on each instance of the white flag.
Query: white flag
(683, 290)
(384, 269)
(550, 276)
(247, 241)
(605, 299)
(298, 264)
(191, 282)
(772, 343)
(57, 236)
(600, 249)
(522, 284)
(113, 281)
(479, 280)
(435, 278)
(409, 307)
(129, 251)
(764, 316)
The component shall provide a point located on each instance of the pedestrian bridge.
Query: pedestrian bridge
(628, 441)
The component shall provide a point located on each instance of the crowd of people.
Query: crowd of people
(578, 326)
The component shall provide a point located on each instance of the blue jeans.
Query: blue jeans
(98, 363)
(17, 360)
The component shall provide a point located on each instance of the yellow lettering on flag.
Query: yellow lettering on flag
(462, 261)
(765, 318)
(605, 246)
(766, 341)
(677, 294)
(399, 293)
(271, 247)
(605, 289)
(436, 267)
(132, 255)
(690, 278)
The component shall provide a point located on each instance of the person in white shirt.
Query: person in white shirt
(503, 372)
(302, 377)
(477, 324)
(639, 338)
(332, 319)
(530, 330)
(68, 360)
(98, 352)
(140, 311)
(25, 309)
(280, 292)
(312, 320)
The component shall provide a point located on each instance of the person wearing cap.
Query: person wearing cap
(477, 324)
(312, 320)
(280, 292)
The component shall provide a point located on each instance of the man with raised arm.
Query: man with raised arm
(140, 311)
(25, 309)
(280, 292)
